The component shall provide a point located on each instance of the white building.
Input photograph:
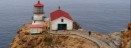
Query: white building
(61, 20)
(36, 29)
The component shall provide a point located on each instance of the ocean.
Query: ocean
(103, 16)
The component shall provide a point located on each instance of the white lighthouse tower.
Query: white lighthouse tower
(38, 17)
(36, 27)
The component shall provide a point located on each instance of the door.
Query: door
(62, 26)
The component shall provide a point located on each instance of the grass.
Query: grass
(34, 33)
(48, 41)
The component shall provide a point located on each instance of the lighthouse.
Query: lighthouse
(36, 27)
(39, 14)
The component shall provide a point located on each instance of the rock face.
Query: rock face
(129, 26)
(46, 40)
(80, 40)
(126, 41)
(76, 26)
(52, 41)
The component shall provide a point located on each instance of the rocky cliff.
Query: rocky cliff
(77, 38)
(46, 40)
(126, 41)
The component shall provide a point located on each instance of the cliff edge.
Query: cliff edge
(77, 38)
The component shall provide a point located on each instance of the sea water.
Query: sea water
(103, 16)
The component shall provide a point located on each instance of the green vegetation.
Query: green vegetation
(48, 41)
(35, 34)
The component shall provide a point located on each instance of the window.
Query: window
(62, 20)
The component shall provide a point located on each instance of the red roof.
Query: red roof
(59, 13)
(36, 26)
(38, 4)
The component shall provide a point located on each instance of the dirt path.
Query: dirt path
(85, 34)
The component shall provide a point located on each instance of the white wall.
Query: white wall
(37, 22)
(54, 23)
(38, 17)
(35, 30)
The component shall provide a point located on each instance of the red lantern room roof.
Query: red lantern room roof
(38, 4)
(59, 13)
